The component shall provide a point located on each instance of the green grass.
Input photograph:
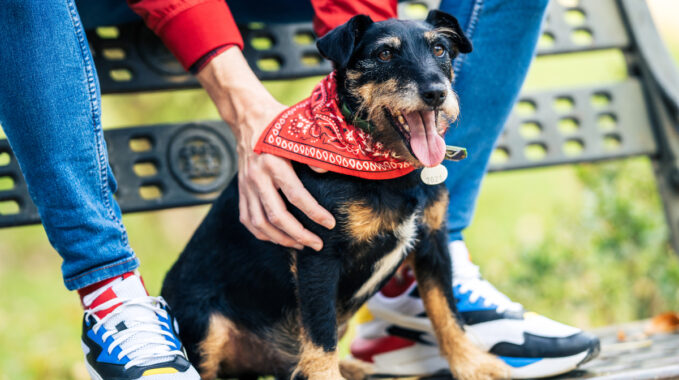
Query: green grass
(584, 244)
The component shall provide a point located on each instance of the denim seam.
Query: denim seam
(89, 272)
(469, 32)
(96, 120)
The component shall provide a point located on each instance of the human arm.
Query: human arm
(202, 34)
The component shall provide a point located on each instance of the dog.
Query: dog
(248, 307)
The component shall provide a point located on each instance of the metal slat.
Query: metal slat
(570, 126)
(157, 167)
(589, 25)
(175, 165)
(130, 58)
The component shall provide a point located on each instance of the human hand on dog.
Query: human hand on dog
(244, 103)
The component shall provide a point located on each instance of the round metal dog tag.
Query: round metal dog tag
(435, 175)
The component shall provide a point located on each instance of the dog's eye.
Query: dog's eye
(385, 55)
(439, 50)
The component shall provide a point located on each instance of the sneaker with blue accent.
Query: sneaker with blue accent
(128, 334)
(395, 335)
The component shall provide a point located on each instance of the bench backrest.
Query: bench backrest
(194, 161)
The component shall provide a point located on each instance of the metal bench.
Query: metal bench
(194, 161)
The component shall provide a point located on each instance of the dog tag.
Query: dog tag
(435, 175)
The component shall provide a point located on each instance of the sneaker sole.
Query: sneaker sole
(422, 360)
(93, 374)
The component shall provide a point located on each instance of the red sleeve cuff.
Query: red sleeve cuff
(330, 14)
(197, 31)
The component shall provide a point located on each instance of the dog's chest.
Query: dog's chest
(404, 235)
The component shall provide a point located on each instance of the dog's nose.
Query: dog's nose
(434, 94)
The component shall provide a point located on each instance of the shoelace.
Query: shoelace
(150, 347)
(468, 277)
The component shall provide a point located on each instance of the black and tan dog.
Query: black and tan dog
(251, 307)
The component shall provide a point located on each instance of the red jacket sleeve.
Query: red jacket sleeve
(189, 28)
(333, 13)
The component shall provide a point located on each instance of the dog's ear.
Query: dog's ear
(448, 25)
(338, 44)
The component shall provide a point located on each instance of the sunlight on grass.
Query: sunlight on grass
(576, 69)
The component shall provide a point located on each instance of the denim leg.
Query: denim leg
(50, 112)
(504, 34)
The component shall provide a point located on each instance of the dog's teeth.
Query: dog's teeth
(406, 127)
(401, 119)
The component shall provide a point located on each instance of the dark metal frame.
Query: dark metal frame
(188, 164)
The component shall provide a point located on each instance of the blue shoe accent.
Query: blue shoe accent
(519, 362)
(104, 365)
(464, 304)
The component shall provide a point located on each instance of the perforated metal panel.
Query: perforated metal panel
(130, 58)
(156, 167)
(587, 25)
(188, 164)
(16, 207)
(570, 126)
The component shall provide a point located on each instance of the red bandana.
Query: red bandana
(315, 133)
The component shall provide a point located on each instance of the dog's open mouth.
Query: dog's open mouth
(419, 130)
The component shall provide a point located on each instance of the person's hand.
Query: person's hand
(248, 108)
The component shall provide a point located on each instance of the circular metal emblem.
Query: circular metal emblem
(200, 159)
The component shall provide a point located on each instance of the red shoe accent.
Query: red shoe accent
(398, 284)
(365, 349)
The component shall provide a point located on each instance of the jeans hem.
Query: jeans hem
(102, 273)
(454, 235)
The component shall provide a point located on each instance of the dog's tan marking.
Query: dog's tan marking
(354, 75)
(293, 263)
(467, 361)
(214, 348)
(363, 222)
(392, 41)
(317, 364)
(435, 212)
(405, 235)
(230, 350)
(430, 35)
(353, 369)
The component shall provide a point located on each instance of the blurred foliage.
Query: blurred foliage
(609, 259)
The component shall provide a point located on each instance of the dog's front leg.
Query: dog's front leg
(433, 270)
(317, 281)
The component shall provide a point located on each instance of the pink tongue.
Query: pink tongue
(428, 146)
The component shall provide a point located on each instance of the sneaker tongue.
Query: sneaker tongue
(130, 287)
(121, 288)
(463, 268)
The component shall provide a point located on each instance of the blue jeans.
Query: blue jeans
(504, 34)
(50, 112)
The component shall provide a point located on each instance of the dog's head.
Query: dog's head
(397, 74)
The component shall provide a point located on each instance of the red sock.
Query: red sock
(104, 296)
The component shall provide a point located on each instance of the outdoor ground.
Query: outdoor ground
(586, 245)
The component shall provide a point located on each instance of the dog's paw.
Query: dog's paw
(479, 365)
(353, 369)
(317, 375)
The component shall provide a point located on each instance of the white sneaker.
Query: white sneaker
(396, 336)
(129, 335)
